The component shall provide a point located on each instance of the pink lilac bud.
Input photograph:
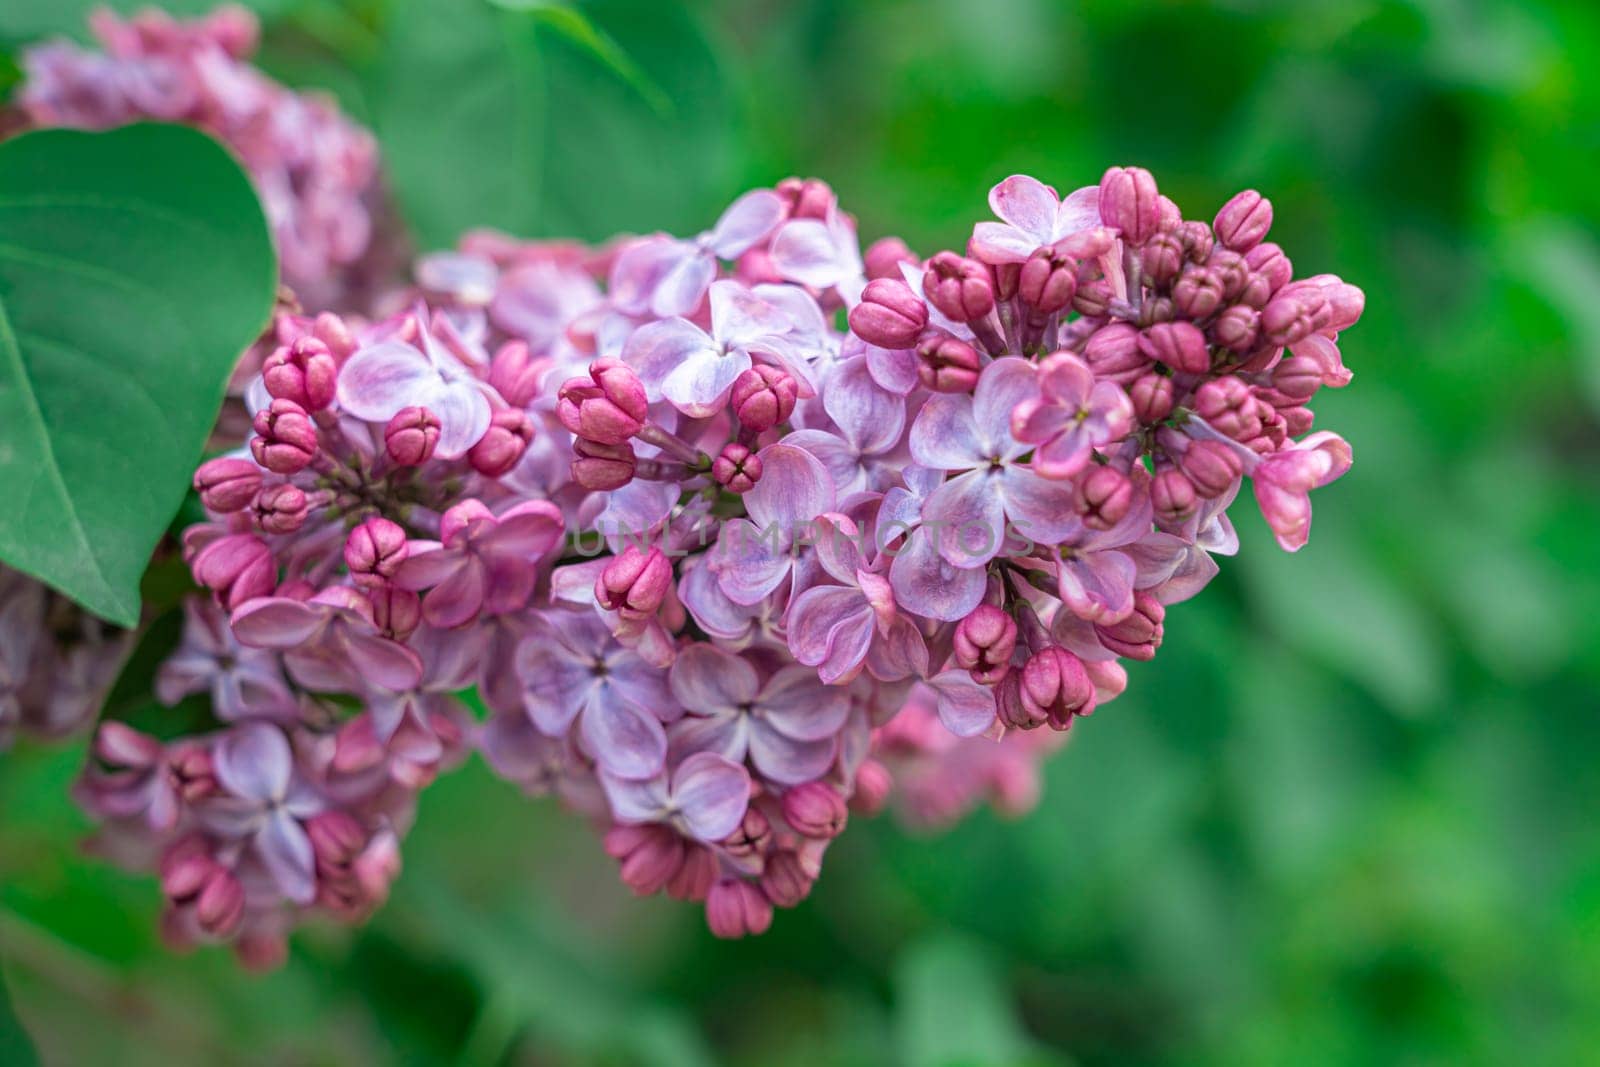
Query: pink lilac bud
(649, 856)
(236, 568)
(736, 468)
(1231, 270)
(1139, 635)
(806, 198)
(1212, 467)
(1297, 378)
(515, 372)
(1010, 709)
(757, 267)
(227, 484)
(1162, 257)
(1346, 302)
(1129, 201)
(280, 509)
(1197, 293)
(1297, 420)
(1179, 345)
(502, 446)
(396, 612)
(304, 372)
(890, 315)
(697, 875)
(1243, 221)
(1237, 328)
(984, 643)
(752, 836)
(1007, 278)
(411, 436)
(873, 786)
(1229, 407)
(286, 438)
(947, 364)
(1257, 290)
(374, 550)
(336, 840)
(959, 287)
(609, 406)
(1048, 280)
(219, 906)
(120, 746)
(763, 397)
(634, 583)
(884, 257)
(1268, 260)
(1152, 396)
(191, 773)
(1173, 496)
(1114, 352)
(1093, 298)
(601, 468)
(1198, 241)
(735, 908)
(815, 809)
(784, 879)
(1291, 316)
(1053, 686)
(1103, 497)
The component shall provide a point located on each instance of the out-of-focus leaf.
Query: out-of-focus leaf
(1564, 263)
(15, 1048)
(135, 266)
(953, 1011)
(26, 20)
(516, 117)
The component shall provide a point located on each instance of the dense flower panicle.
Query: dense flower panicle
(316, 172)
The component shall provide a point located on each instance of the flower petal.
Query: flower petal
(1028, 204)
(712, 793)
(657, 349)
(623, 738)
(965, 707)
(926, 584)
(746, 221)
(795, 705)
(253, 762)
(382, 378)
(945, 436)
(794, 488)
(706, 680)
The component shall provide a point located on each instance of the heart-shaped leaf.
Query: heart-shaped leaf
(135, 267)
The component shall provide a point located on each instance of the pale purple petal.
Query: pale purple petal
(633, 800)
(1098, 587)
(253, 762)
(804, 251)
(969, 514)
(684, 286)
(996, 242)
(277, 622)
(740, 316)
(1079, 211)
(623, 738)
(1002, 386)
(285, 851)
(787, 761)
(796, 706)
(830, 627)
(712, 793)
(965, 707)
(428, 563)
(945, 436)
(706, 680)
(870, 417)
(1028, 204)
(699, 385)
(837, 454)
(464, 415)
(379, 380)
(750, 561)
(383, 662)
(794, 488)
(747, 220)
(1039, 508)
(458, 599)
(554, 685)
(928, 585)
(657, 349)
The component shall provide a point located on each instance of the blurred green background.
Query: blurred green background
(1350, 815)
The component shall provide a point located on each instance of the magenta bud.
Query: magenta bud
(1162, 257)
(1212, 467)
(280, 509)
(396, 612)
(1291, 316)
(1179, 345)
(192, 773)
(1007, 277)
(1297, 420)
(694, 879)
(286, 438)
(120, 746)
(227, 484)
(874, 783)
(515, 373)
(411, 436)
(1130, 202)
(984, 642)
(1139, 635)
(806, 198)
(1231, 270)
(1229, 406)
(884, 257)
(374, 550)
(1103, 496)
(503, 444)
(1173, 496)
(185, 869)
(752, 836)
(1053, 687)
(815, 809)
(1268, 260)
(1113, 352)
(784, 879)
(634, 583)
(1256, 291)
(1237, 328)
(736, 468)
(1048, 280)
(599, 467)
(946, 364)
(1197, 293)
(236, 568)
(1346, 302)
(1198, 241)
(1152, 395)
(960, 288)
(304, 372)
(890, 315)
(1093, 298)
(336, 840)
(219, 906)
(609, 406)
(735, 908)
(763, 396)
(1243, 221)
(1297, 378)
(756, 267)
(649, 855)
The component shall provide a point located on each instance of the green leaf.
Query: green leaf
(952, 1010)
(26, 20)
(15, 1048)
(135, 266)
(541, 121)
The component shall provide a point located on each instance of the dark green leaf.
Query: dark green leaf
(135, 266)
(15, 1048)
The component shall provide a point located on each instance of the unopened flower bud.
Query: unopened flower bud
(236, 568)
(599, 467)
(1197, 293)
(120, 746)
(1152, 396)
(1197, 239)
(515, 372)
(1162, 257)
(634, 583)
(1237, 328)
(1268, 260)
(784, 879)
(1053, 686)
(1103, 497)
(286, 438)
(1297, 378)
(1048, 280)
(751, 837)
(806, 198)
(884, 257)
(502, 446)
(984, 642)
(1173, 496)
(1007, 278)
(1212, 467)
(279, 509)
(1346, 302)
(1139, 635)
(946, 364)
(649, 855)
(873, 785)
(396, 612)
(304, 372)
(1093, 298)
(1180, 345)
(411, 436)
(192, 773)
(735, 908)
(219, 905)
(763, 397)
(736, 468)
(960, 288)
(1243, 221)
(1231, 270)
(890, 315)
(336, 840)
(1229, 406)
(695, 878)
(609, 406)
(227, 484)
(1291, 316)
(374, 550)
(1257, 290)
(1113, 352)
(1129, 201)
(815, 809)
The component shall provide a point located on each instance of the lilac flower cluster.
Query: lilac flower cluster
(316, 171)
(720, 571)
